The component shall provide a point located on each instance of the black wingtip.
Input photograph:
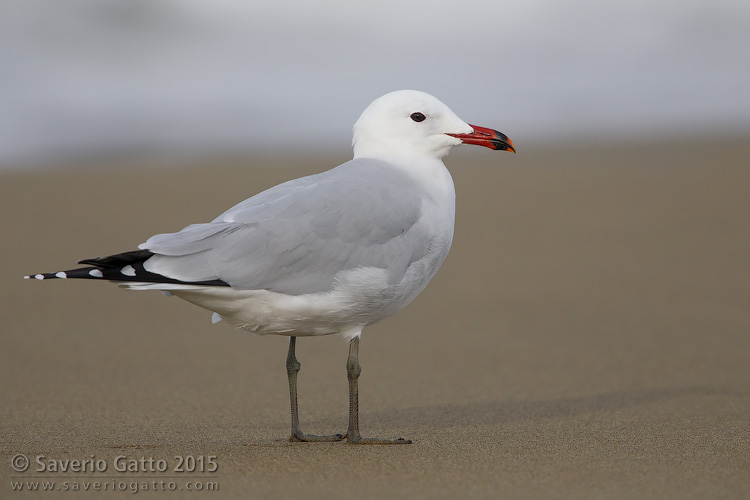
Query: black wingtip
(122, 267)
(85, 272)
(118, 260)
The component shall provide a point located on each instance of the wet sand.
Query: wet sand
(587, 337)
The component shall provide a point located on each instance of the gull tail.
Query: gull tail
(123, 268)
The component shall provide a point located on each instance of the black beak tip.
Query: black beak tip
(502, 143)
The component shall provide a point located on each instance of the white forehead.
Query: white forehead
(403, 102)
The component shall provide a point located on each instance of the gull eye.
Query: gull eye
(418, 117)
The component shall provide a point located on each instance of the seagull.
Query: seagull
(329, 253)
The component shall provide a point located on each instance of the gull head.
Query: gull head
(409, 123)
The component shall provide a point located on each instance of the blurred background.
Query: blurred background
(105, 78)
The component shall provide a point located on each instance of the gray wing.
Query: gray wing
(294, 238)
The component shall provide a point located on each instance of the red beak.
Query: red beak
(488, 138)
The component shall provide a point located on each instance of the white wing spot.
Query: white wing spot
(61, 274)
(215, 318)
(128, 270)
(39, 276)
(96, 273)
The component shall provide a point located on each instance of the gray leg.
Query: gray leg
(292, 368)
(352, 371)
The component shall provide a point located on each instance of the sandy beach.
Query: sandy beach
(587, 337)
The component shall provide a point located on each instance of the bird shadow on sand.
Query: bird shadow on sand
(448, 416)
